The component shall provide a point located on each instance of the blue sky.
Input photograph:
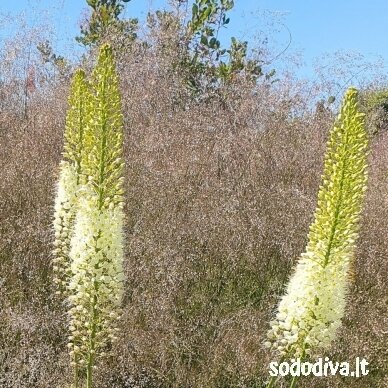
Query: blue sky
(318, 28)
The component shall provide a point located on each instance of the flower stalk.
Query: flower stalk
(97, 244)
(310, 312)
(89, 215)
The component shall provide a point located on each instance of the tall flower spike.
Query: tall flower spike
(69, 178)
(310, 312)
(76, 122)
(104, 135)
(97, 244)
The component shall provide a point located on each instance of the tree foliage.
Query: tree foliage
(207, 56)
(104, 18)
(205, 64)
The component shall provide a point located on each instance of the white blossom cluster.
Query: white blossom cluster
(96, 286)
(89, 215)
(310, 312)
(64, 213)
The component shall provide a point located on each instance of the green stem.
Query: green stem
(75, 373)
(295, 378)
(89, 370)
(89, 374)
(273, 379)
(272, 382)
(293, 382)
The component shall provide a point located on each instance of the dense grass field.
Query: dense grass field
(219, 194)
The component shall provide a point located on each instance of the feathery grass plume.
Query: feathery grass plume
(310, 312)
(69, 178)
(97, 243)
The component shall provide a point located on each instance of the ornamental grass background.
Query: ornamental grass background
(219, 197)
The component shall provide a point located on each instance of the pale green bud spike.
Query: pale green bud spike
(311, 311)
(344, 180)
(104, 166)
(76, 121)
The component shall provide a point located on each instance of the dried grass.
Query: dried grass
(219, 197)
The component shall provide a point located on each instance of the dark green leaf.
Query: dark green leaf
(204, 40)
(213, 43)
(195, 9)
